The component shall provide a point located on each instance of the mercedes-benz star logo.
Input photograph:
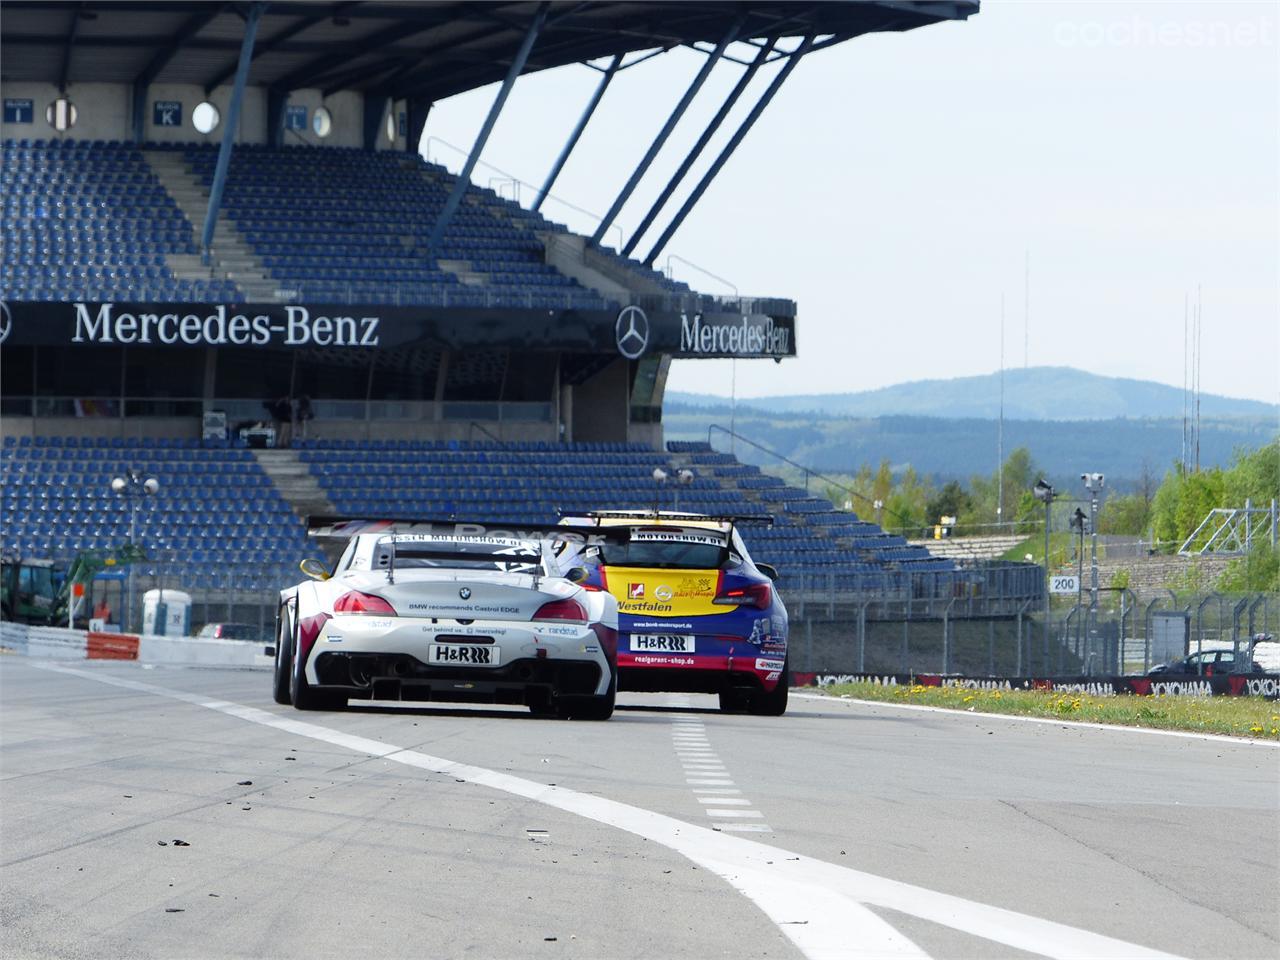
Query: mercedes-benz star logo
(465, 593)
(6, 321)
(632, 332)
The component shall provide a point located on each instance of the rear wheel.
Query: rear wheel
(774, 702)
(304, 696)
(590, 708)
(734, 700)
(282, 678)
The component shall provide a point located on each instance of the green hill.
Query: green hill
(1033, 393)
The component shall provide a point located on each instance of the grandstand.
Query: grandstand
(462, 353)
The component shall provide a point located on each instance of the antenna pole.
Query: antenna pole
(1200, 333)
(1000, 427)
(1186, 311)
(1026, 310)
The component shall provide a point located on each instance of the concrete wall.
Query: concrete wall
(253, 114)
(102, 110)
(347, 110)
(601, 406)
(105, 112)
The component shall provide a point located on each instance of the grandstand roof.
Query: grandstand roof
(428, 50)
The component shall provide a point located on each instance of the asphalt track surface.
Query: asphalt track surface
(839, 830)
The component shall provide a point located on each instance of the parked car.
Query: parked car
(231, 631)
(1207, 663)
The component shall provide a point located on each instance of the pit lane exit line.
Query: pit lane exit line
(821, 907)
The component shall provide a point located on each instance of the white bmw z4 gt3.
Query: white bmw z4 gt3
(414, 612)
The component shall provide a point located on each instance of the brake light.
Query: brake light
(756, 595)
(562, 610)
(357, 602)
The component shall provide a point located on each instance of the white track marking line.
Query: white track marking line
(745, 827)
(1185, 734)
(730, 800)
(749, 814)
(695, 781)
(720, 790)
(818, 905)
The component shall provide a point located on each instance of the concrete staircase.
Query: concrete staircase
(231, 257)
(294, 481)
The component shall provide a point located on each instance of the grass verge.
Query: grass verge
(1233, 716)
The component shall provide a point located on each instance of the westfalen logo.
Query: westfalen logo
(631, 331)
(635, 591)
(465, 593)
(6, 321)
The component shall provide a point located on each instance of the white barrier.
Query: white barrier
(202, 652)
(56, 643)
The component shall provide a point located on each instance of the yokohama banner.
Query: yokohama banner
(1189, 685)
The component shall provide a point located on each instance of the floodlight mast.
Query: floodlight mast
(1044, 492)
(133, 487)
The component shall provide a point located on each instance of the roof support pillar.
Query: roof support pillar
(139, 117)
(232, 126)
(464, 176)
(276, 99)
(712, 59)
(375, 108)
(577, 131)
(417, 108)
(698, 147)
(729, 147)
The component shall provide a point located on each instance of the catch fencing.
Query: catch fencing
(1126, 634)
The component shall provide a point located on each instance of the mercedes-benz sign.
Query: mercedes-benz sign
(632, 332)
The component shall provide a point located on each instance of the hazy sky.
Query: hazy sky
(896, 182)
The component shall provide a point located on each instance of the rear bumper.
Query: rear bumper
(377, 676)
(356, 652)
(698, 673)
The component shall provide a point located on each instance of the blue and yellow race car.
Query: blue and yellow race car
(695, 613)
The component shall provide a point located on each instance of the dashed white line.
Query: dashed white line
(731, 800)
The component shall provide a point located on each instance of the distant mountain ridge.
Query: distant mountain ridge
(1030, 393)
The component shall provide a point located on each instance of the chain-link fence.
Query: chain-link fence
(1125, 634)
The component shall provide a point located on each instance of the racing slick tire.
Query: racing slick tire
(283, 675)
(303, 696)
(590, 708)
(774, 702)
(734, 700)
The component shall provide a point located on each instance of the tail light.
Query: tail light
(755, 595)
(562, 610)
(357, 602)
(608, 638)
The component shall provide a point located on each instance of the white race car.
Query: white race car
(421, 611)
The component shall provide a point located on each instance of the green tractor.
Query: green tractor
(38, 591)
(30, 591)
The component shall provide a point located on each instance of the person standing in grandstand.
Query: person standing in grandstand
(281, 411)
(302, 412)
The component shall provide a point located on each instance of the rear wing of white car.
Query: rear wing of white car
(343, 528)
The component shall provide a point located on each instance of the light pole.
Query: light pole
(684, 477)
(1078, 521)
(1045, 494)
(1093, 482)
(134, 487)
